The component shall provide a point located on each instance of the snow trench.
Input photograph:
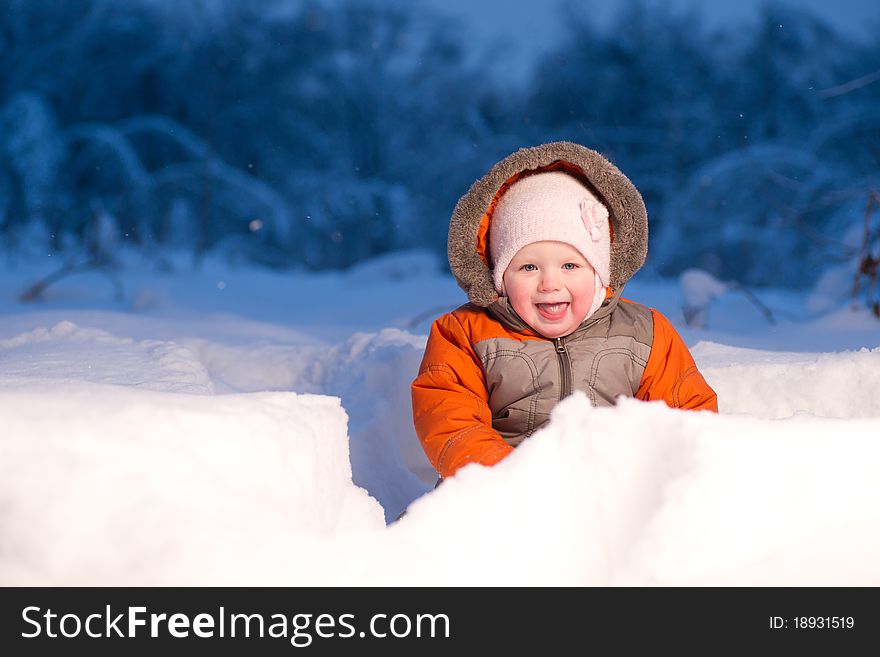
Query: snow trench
(153, 462)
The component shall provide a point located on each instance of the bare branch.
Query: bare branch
(768, 314)
(852, 85)
(868, 266)
(35, 291)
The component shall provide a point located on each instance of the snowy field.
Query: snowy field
(226, 426)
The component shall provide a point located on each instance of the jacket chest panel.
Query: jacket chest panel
(606, 368)
(525, 379)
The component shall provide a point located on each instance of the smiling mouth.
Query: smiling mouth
(552, 311)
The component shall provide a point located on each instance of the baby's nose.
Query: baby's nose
(549, 282)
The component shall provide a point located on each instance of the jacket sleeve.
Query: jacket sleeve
(450, 403)
(672, 375)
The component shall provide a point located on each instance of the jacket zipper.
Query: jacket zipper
(564, 366)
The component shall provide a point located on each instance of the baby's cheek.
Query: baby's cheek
(522, 305)
(582, 298)
(517, 293)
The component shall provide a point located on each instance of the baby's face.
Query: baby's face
(551, 286)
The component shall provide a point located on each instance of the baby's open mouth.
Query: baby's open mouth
(552, 310)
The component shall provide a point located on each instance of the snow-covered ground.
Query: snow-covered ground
(229, 425)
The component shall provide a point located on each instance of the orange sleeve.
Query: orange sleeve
(450, 408)
(672, 375)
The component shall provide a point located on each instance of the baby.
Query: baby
(543, 245)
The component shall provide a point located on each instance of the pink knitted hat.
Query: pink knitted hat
(551, 206)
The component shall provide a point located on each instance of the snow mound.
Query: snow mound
(257, 367)
(67, 352)
(113, 486)
(778, 385)
(596, 499)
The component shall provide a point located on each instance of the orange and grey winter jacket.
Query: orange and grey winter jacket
(488, 381)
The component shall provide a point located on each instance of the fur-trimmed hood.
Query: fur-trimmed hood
(467, 247)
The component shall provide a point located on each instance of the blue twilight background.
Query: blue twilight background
(316, 134)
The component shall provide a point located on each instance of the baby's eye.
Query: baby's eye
(528, 267)
(570, 265)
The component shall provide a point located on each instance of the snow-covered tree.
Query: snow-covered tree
(344, 129)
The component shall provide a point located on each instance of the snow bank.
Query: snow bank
(111, 486)
(189, 444)
(114, 486)
(644, 495)
(371, 372)
(67, 352)
(770, 384)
